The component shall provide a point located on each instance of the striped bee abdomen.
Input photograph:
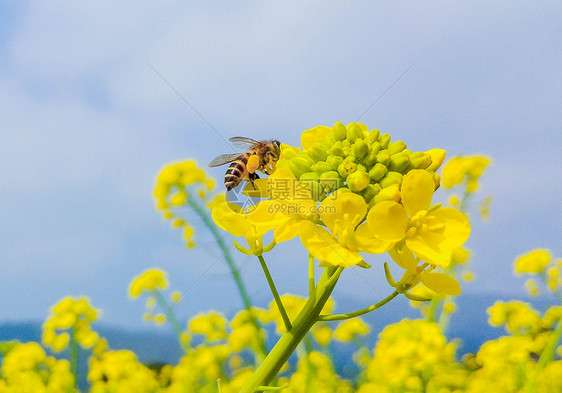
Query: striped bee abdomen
(236, 172)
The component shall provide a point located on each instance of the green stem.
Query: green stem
(270, 388)
(280, 306)
(235, 273)
(340, 317)
(311, 282)
(548, 353)
(74, 351)
(432, 309)
(168, 312)
(289, 341)
(445, 317)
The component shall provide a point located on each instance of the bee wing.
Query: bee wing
(223, 159)
(242, 142)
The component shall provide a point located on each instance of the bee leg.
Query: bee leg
(252, 177)
(268, 167)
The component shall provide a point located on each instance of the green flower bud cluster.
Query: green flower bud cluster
(352, 158)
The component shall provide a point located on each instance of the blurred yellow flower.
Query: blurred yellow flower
(532, 263)
(518, 317)
(322, 333)
(554, 275)
(212, 325)
(532, 287)
(70, 315)
(177, 185)
(350, 329)
(26, 368)
(411, 355)
(149, 280)
(120, 371)
(464, 169)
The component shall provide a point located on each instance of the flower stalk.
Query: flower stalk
(350, 315)
(74, 351)
(291, 338)
(275, 293)
(167, 310)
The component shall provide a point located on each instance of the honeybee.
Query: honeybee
(267, 152)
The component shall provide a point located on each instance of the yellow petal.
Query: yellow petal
(345, 203)
(417, 191)
(265, 217)
(429, 249)
(403, 257)
(388, 220)
(227, 216)
(323, 247)
(455, 224)
(363, 240)
(313, 135)
(446, 229)
(441, 283)
(287, 230)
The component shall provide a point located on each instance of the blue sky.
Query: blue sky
(87, 124)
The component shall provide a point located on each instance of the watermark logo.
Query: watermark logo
(292, 196)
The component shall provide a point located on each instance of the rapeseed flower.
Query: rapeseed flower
(353, 158)
(351, 329)
(323, 192)
(70, 317)
(518, 317)
(149, 280)
(554, 275)
(316, 373)
(211, 325)
(431, 233)
(120, 371)
(344, 238)
(533, 262)
(347, 192)
(180, 184)
(532, 287)
(464, 169)
(440, 283)
(252, 225)
(27, 368)
(244, 332)
(411, 355)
